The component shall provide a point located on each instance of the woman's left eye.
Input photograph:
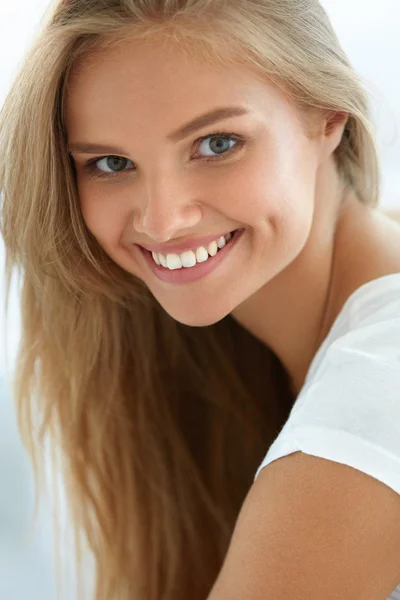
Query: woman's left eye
(219, 144)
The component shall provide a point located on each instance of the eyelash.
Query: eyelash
(96, 173)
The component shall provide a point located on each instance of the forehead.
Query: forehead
(153, 82)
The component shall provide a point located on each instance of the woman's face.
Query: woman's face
(255, 172)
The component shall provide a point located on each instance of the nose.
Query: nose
(167, 209)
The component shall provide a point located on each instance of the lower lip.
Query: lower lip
(190, 274)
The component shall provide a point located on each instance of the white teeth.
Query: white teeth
(201, 254)
(173, 261)
(188, 259)
(191, 257)
(212, 248)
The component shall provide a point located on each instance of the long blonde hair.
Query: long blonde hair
(158, 427)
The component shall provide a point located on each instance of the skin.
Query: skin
(308, 242)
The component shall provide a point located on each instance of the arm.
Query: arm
(313, 529)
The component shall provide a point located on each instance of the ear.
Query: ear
(334, 125)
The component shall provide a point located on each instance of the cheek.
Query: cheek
(101, 218)
(287, 178)
(269, 184)
(276, 192)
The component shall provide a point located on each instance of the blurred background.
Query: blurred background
(369, 34)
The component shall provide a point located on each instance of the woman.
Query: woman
(191, 191)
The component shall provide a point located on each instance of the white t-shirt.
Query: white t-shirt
(348, 409)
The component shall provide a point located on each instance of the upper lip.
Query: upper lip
(188, 244)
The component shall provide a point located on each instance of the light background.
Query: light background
(369, 33)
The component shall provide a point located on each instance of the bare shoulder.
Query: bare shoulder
(313, 528)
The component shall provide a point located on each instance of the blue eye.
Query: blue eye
(111, 162)
(221, 142)
(221, 149)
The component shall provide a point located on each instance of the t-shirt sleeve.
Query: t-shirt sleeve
(350, 411)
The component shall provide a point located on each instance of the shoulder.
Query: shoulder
(313, 528)
(349, 409)
(322, 519)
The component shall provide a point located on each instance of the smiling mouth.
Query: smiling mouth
(192, 258)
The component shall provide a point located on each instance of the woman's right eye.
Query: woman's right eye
(110, 162)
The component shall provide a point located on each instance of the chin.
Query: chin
(199, 318)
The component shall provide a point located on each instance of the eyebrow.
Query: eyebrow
(199, 122)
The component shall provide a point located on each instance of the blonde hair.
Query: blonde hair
(144, 414)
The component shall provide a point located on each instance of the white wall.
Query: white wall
(369, 34)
